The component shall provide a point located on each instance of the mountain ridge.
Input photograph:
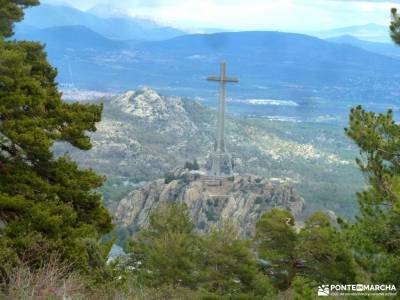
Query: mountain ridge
(388, 49)
(118, 28)
(370, 32)
(72, 36)
(299, 67)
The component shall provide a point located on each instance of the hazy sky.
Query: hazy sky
(294, 15)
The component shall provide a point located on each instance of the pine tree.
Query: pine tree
(11, 11)
(276, 241)
(229, 267)
(324, 252)
(219, 264)
(317, 253)
(168, 249)
(395, 26)
(376, 233)
(47, 205)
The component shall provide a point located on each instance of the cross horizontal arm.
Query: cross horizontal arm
(226, 79)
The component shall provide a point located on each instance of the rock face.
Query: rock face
(148, 106)
(240, 199)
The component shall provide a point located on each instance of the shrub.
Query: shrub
(51, 281)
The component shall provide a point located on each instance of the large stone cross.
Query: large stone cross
(220, 148)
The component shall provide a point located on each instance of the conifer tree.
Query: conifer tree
(376, 233)
(47, 204)
(395, 26)
(11, 11)
(229, 267)
(219, 264)
(316, 253)
(167, 251)
(276, 241)
(324, 253)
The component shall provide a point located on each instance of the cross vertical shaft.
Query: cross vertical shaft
(220, 149)
(221, 110)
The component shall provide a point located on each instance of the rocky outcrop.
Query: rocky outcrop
(239, 199)
(166, 113)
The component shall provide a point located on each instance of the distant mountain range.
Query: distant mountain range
(388, 49)
(115, 24)
(119, 28)
(322, 77)
(62, 38)
(270, 64)
(370, 32)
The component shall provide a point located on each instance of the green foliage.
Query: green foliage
(220, 264)
(303, 289)
(47, 204)
(192, 166)
(376, 233)
(11, 11)
(276, 240)
(395, 26)
(317, 252)
(169, 178)
(323, 252)
(229, 267)
(167, 249)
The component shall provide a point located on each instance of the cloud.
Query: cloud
(87, 4)
(287, 15)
